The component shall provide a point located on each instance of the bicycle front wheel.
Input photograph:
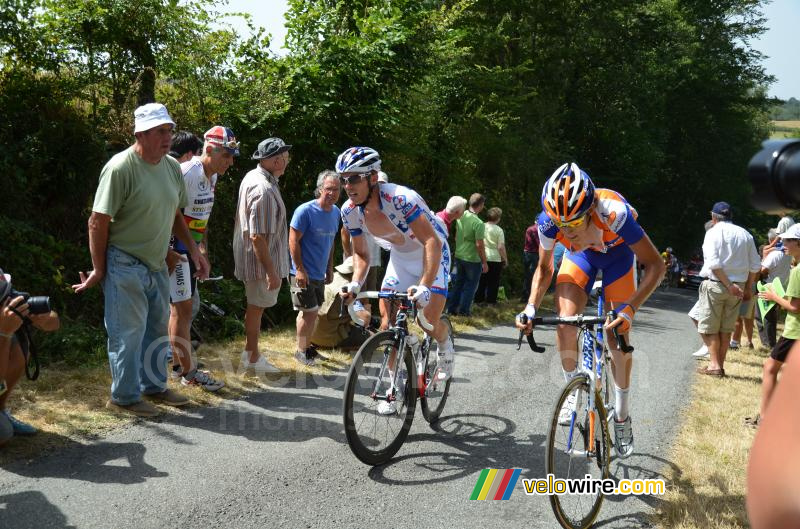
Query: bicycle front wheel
(376, 416)
(432, 401)
(575, 449)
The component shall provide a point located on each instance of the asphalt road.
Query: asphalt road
(279, 458)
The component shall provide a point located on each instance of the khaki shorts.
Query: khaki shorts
(258, 295)
(718, 309)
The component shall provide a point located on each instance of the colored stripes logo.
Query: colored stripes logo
(495, 484)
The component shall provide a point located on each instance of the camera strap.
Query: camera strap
(29, 350)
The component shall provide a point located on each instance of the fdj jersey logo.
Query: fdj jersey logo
(495, 484)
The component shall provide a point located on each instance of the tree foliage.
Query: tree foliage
(662, 100)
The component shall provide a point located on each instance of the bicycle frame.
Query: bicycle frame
(592, 364)
(403, 338)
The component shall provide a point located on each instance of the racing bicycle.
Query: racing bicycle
(583, 445)
(383, 385)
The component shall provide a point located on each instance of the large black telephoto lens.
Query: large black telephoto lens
(36, 304)
(775, 175)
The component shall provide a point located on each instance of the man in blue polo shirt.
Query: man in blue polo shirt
(311, 234)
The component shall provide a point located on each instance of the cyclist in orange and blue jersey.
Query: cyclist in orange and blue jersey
(601, 233)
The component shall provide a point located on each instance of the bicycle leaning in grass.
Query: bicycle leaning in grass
(382, 385)
(578, 441)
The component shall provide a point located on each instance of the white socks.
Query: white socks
(621, 403)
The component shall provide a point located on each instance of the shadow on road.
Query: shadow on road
(475, 442)
(100, 462)
(15, 509)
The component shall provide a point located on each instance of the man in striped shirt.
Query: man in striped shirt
(261, 243)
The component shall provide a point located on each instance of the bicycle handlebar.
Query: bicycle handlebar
(576, 320)
(374, 294)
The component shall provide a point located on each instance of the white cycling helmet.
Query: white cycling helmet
(358, 160)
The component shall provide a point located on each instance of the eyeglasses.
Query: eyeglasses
(352, 179)
(574, 223)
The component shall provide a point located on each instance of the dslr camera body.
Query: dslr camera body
(775, 176)
(36, 304)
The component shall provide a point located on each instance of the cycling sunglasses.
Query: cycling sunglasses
(574, 223)
(352, 179)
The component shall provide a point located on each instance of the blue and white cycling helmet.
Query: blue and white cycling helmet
(358, 160)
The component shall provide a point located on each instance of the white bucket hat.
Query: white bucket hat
(150, 116)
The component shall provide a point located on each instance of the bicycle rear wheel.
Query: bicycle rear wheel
(433, 400)
(376, 435)
(573, 452)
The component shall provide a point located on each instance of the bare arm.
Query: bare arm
(360, 259)
(542, 276)
(501, 249)
(481, 247)
(425, 234)
(346, 244)
(297, 257)
(729, 285)
(261, 249)
(98, 244)
(654, 269)
(773, 472)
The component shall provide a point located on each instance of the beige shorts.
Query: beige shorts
(258, 295)
(718, 309)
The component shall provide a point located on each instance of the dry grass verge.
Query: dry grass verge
(706, 481)
(67, 405)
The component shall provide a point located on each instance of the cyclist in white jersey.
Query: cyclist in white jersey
(400, 221)
(200, 176)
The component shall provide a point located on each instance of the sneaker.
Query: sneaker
(734, 345)
(305, 357)
(260, 366)
(20, 428)
(567, 409)
(701, 353)
(177, 371)
(623, 438)
(446, 361)
(168, 398)
(139, 409)
(202, 379)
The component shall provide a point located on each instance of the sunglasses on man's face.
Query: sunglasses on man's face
(352, 179)
(574, 223)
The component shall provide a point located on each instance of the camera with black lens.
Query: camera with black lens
(775, 175)
(36, 304)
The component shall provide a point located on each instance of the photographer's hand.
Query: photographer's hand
(46, 322)
(87, 282)
(12, 312)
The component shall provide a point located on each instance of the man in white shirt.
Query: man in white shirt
(730, 265)
(778, 264)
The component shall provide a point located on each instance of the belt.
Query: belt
(718, 281)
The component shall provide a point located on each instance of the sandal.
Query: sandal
(753, 422)
(711, 372)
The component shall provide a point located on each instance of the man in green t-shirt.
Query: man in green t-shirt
(791, 330)
(470, 260)
(136, 209)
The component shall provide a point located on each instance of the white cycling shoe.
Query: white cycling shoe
(445, 361)
(386, 407)
(623, 438)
